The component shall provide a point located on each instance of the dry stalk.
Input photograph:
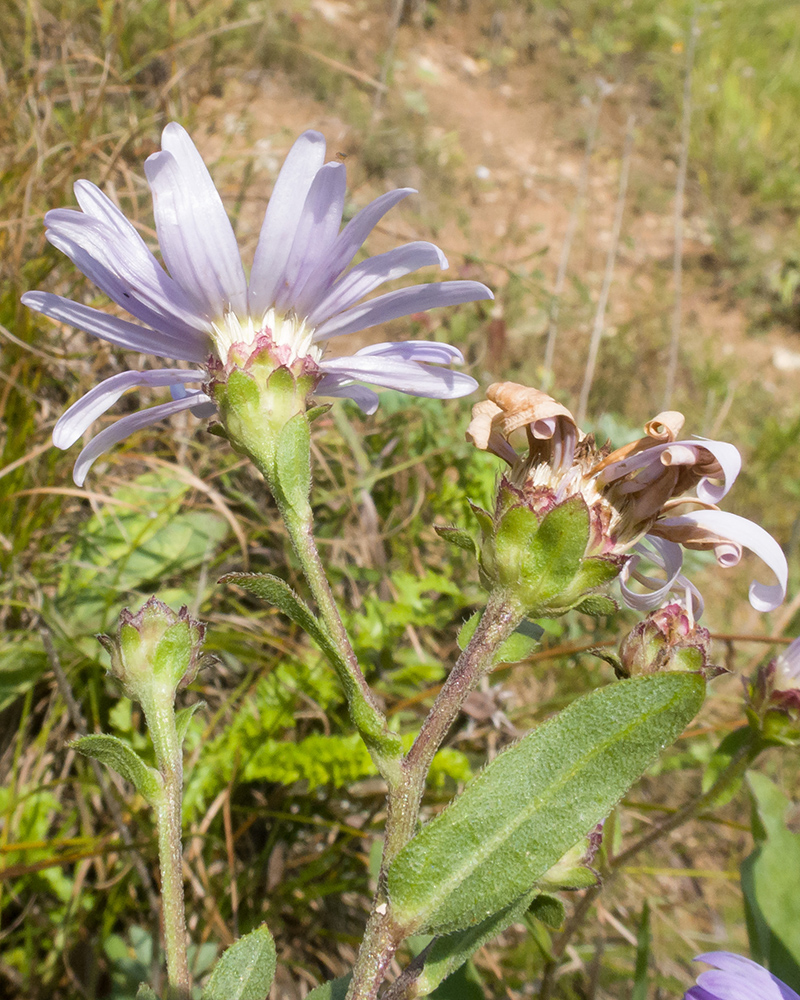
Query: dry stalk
(680, 189)
(603, 90)
(602, 302)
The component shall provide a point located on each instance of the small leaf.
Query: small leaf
(769, 883)
(461, 539)
(484, 519)
(535, 801)
(334, 989)
(451, 951)
(317, 411)
(518, 646)
(721, 758)
(293, 462)
(246, 969)
(548, 909)
(184, 717)
(118, 755)
(145, 992)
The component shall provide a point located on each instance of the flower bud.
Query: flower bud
(667, 639)
(155, 651)
(774, 698)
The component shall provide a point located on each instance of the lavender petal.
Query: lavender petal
(88, 408)
(752, 536)
(405, 376)
(668, 556)
(317, 229)
(194, 232)
(333, 385)
(403, 302)
(118, 431)
(373, 272)
(431, 351)
(119, 331)
(117, 275)
(280, 222)
(349, 241)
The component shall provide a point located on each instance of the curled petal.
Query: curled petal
(523, 406)
(725, 532)
(430, 351)
(118, 431)
(740, 978)
(667, 556)
(483, 434)
(103, 396)
(665, 426)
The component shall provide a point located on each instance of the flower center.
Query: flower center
(285, 329)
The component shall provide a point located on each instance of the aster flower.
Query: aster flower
(737, 978)
(645, 500)
(302, 291)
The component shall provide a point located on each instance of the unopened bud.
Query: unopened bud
(774, 698)
(155, 651)
(667, 639)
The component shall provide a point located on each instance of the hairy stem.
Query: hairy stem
(169, 758)
(383, 936)
(739, 763)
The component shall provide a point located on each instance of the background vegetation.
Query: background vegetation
(484, 105)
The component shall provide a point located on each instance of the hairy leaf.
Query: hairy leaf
(246, 969)
(112, 752)
(535, 801)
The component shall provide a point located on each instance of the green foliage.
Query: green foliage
(118, 755)
(769, 884)
(336, 989)
(246, 970)
(535, 801)
(519, 645)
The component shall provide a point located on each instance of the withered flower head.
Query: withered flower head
(645, 499)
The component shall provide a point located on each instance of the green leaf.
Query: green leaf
(184, 717)
(118, 755)
(145, 992)
(484, 519)
(771, 884)
(293, 462)
(535, 801)
(451, 951)
(334, 989)
(461, 539)
(721, 758)
(246, 969)
(518, 646)
(464, 984)
(549, 909)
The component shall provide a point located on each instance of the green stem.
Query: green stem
(169, 758)
(383, 935)
(737, 766)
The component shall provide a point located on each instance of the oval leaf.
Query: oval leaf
(535, 801)
(246, 969)
(118, 755)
